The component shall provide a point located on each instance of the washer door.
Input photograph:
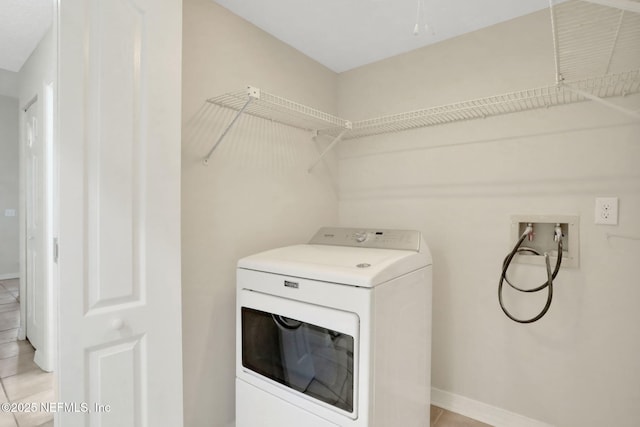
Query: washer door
(306, 348)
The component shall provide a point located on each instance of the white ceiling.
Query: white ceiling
(341, 34)
(344, 34)
(22, 25)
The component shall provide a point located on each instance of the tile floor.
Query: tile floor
(22, 381)
(20, 378)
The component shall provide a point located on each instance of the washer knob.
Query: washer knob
(361, 236)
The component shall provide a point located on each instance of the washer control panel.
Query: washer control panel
(408, 240)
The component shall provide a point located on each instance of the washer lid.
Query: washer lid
(365, 267)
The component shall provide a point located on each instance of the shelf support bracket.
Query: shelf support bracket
(554, 32)
(253, 93)
(588, 95)
(330, 146)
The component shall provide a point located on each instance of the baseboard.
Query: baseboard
(480, 411)
(9, 276)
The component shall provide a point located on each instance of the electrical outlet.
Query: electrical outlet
(606, 210)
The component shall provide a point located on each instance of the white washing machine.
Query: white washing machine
(336, 332)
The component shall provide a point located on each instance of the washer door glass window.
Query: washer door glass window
(308, 358)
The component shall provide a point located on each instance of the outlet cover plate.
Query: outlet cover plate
(606, 211)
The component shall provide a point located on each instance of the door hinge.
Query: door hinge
(55, 250)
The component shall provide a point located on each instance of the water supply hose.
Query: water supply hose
(550, 275)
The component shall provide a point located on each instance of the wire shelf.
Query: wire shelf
(597, 53)
(277, 109)
(594, 39)
(606, 86)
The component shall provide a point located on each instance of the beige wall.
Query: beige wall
(255, 193)
(460, 183)
(9, 186)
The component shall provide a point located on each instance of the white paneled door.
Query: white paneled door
(35, 215)
(119, 66)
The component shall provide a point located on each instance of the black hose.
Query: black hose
(548, 284)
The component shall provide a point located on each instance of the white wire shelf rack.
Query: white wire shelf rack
(277, 109)
(597, 56)
(258, 103)
(596, 37)
(569, 92)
